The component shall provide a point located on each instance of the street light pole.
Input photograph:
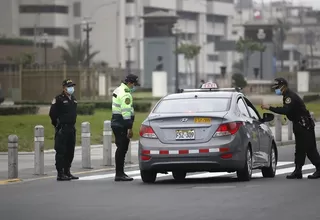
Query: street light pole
(175, 32)
(261, 36)
(129, 46)
(87, 29)
(45, 40)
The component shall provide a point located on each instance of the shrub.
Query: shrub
(310, 98)
(85, 109)
(19, 110)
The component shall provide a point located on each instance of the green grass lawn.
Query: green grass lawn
(23, 127)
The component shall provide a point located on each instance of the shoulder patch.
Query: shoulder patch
(288, 100)
(53, 101)
(127, 101)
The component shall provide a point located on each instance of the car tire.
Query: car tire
(270, 171)
(179, 175)
(148, 176)
(246, 172)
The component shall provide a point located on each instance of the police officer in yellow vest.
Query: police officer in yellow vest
(122, 121)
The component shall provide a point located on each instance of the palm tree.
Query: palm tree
(75, 52)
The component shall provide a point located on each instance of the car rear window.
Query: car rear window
(193, 105)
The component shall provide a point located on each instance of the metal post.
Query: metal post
(290, 130)
(88, 44)
(278, 127)
(12, 156)
(107, 144)
(39, 150)
(177, 63)
(85, 145)
(128, 156)
(261, 62)
(129, 57)
(45, 54)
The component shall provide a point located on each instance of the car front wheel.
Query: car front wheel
(246, 172)
(270, 171)
(179, 175)
(148, 176)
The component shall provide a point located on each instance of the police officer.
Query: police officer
(122, 122)
(303, 128)
(63, 114)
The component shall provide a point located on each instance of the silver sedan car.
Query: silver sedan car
(206, 130)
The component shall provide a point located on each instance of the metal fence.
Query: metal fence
(42, 84)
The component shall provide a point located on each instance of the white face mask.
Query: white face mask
(70, 90)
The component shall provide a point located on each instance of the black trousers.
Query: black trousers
(65, 141)
(122, 143)
(306, 145)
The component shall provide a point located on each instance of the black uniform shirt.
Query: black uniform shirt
(63, 109)
(293, 107)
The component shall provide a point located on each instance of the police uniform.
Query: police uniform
(303, 129)
(122, 120)
(63, 114)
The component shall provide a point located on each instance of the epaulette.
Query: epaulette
(127, 90)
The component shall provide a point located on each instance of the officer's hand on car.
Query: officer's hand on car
(130, 133)
(266, 107)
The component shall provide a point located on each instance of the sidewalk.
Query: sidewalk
(26, 159)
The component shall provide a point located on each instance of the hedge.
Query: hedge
(310, 98)
(139, 106)
(15, 41)
(19, 110)
(85, 109)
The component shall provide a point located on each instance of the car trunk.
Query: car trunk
(181, 128)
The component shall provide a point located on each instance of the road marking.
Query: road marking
(106, 176)
(285, 170)
(4, 182)
(307, 174)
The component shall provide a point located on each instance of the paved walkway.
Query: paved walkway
(26, 159)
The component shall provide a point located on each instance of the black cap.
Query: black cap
(68, 83)
(278, 82)
(131, 78)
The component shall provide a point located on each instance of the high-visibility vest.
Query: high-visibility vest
(122, 108)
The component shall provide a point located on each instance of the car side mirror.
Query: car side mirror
(267, 117)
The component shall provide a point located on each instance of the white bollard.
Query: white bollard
(12, 156)
(86, 145)
(278, 127)
(128, 156)
(39, 150)
(312, 116)
(107, 144)
(290, 130)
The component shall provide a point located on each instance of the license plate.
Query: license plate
(185, 135)
(202, 120)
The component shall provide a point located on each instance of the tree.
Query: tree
(190, 52)
(238, 80)
(23, 59)
(247, 47)
(75, 52)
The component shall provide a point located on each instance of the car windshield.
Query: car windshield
(192, 105)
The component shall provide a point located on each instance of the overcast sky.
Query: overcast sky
(314, 3)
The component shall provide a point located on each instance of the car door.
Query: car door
(253, 135)
(262, 129)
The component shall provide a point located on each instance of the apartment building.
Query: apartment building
(302, 39)
(116, 24)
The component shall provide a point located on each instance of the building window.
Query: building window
(77, 31)
(44, 9)
(213, 57)
(77, 9)
(49, 31)
(129, 1)
(234, 32)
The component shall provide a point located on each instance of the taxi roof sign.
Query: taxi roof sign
(209, 85)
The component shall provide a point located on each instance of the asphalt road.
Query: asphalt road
(198, 198)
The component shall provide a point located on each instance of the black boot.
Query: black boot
(315, 175)
(62, 177)
(68, 174)
(296, 174)
(122, 177)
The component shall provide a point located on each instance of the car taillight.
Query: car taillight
(228, 129)
(147, 132)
